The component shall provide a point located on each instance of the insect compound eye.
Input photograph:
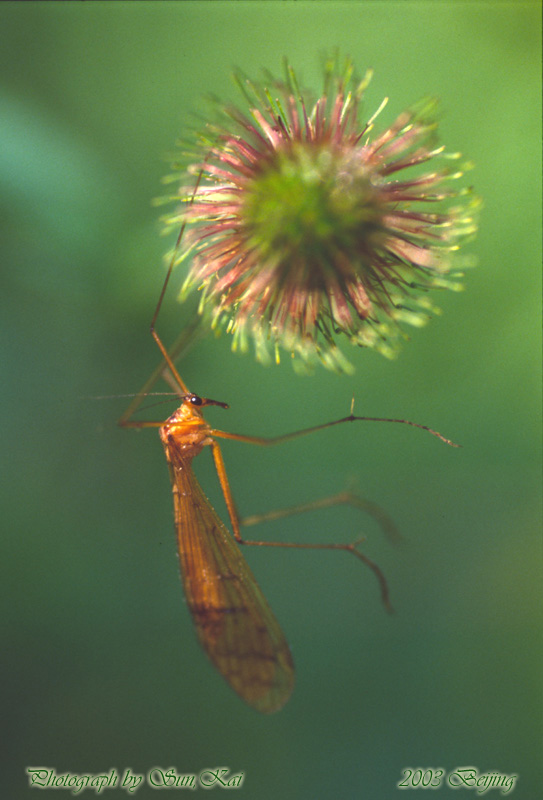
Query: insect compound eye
(195, 400)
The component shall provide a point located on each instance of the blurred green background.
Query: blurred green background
(101, 668)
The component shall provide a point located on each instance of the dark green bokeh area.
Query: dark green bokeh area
(101, 667)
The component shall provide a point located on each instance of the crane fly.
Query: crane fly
(233, 620)
(234, 623)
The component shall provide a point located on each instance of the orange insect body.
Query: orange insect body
(233, 620)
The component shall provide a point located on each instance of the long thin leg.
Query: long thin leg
(166, 369)
(266, 442)
(349, 548)
(183, 342)
(154, 334)
(341, 498)
(236, 522)
(131, 423)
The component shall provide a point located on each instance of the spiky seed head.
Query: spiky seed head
(306, 226)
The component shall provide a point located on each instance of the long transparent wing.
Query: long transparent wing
(233, 620)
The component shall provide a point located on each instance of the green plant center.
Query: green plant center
(308, 201)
